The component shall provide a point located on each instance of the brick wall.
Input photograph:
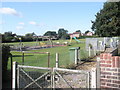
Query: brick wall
(109, 71)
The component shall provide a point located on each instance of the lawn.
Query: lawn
(41, 59)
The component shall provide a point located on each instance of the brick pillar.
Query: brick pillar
(109, 71)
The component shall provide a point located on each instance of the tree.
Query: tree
(107, 21)
(30, 34)
(29, 37)
(5, 58)
(63, 34)
(87, 31)
(8, 36)
(78, 31)
(50, 33)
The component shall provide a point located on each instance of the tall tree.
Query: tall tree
(87, 31)
(78, 31)
(63, 34)
(107, 21)
(50, 33)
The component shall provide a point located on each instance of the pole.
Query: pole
(79, 56)
(89, 52)
(22, 58)
(20, 44)
(94, 51)
(57, 60)
(98, 72)
(75, 56)
(11, 68)
(14, 75)
(48, 59)
(93, 78)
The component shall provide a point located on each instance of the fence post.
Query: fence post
(53, 79)
(94, 51)
(48, 59)
(76, 53)
(88, 80)
(14, 85)
(89, 52)
(23, 58)
(57, 60)
(93, 78)
(98, 72)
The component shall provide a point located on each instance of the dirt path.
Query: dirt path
(87, 65)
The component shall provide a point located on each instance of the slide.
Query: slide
(76, 39)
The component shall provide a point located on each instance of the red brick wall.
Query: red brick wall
(109, 71)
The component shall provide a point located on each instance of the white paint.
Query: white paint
(34, 67)
(76, 56)
(57, 60)
(14, 75)
(93, 78)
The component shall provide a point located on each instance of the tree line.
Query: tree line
(12, 37)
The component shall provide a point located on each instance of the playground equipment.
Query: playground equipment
(42, 44)
(75, 39)
(70, 39)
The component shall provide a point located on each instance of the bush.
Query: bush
(5, 56)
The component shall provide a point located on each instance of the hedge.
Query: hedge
(5, 57)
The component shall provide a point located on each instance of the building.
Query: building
(75, 34)
(89, 34)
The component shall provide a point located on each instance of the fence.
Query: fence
(99, 44)
(37, 55)
(32, 58)
(41, 77)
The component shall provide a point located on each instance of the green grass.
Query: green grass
(41, 59)
(34, 43)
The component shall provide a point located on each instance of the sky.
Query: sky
(40, 17)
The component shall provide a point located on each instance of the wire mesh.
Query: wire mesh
(36, 59)
(64, 59)
(32, 58)
(33, 78)
(71, 79)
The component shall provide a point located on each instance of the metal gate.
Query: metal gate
(41, 77)
(67, 78)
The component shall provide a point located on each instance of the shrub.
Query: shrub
(5, 56)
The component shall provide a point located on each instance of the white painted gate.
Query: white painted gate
(40, 77)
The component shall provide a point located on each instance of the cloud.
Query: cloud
(19, 27)
(10, 11)
(2, 22)
(21, 23)
(33, 23)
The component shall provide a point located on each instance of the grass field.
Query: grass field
(41, 59)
